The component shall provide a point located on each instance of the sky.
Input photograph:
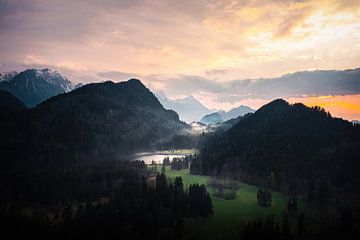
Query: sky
(200, 48)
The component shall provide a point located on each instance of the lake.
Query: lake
(157, 157)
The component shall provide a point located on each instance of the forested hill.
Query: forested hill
(291, 141)
(93, 122)
(8, 102)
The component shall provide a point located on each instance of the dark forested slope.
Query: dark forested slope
(92, 122)
(287, 142)
(8, 102)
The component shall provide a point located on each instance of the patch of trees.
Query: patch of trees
(166, 161)
(260, 229)
(180, 163)
(106, 201)
(321, 192)
(195, 166)
(270, 229)
(341, 227)
(199, 200)
(292, 205)
(225, 189)
(264, 197)
(195, 201)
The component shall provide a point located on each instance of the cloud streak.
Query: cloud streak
(307, 83)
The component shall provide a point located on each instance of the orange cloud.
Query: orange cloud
(347, 107)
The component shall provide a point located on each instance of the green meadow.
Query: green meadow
(230, 215)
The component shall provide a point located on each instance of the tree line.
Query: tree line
(108, 201)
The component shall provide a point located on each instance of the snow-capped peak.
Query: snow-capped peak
(54, 77)
(8, 76)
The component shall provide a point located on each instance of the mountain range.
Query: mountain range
(192, 110)
(33, 86)
(188, 108)
(222, 116)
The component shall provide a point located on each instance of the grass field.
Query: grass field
(230, 215)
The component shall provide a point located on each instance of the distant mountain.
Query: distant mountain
(188, 108)
(288, 141)
(33, 86)
(222, 116)
(96, 121)
(236, 112)
(212, 118)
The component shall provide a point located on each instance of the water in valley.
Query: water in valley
(158, 158)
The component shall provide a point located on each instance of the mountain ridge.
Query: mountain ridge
(223, 116)
(95, 121)
(32, 86)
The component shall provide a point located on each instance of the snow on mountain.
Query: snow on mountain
(8, 76)
(54, 77)
(33, 86)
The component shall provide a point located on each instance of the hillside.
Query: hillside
(93, 122)
(286, 142)
(8, 102)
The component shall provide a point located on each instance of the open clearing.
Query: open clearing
(230, 215)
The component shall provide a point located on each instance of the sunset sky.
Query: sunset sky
(186, 47)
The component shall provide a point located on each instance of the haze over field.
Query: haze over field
(206, 49)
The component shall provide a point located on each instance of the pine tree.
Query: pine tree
(163, 169)
(285, 227)
(347, 219)
(301, 230)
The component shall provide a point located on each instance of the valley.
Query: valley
(230, 216)
(180, 120)
(65, 167)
